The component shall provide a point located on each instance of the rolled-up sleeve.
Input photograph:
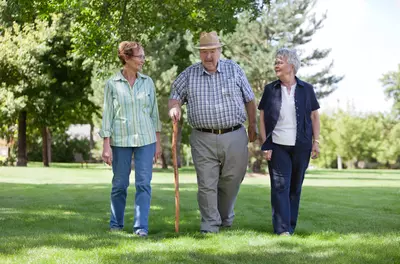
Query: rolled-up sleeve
(155, 116)
(314, 101)
(244, 84)
(108, 113)
(179, 88)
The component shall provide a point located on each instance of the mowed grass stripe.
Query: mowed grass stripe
(60, 215)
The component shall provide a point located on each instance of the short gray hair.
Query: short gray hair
(292, 57)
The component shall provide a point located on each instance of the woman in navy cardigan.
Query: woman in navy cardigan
(289, 127)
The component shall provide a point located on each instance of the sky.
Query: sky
(364, 36)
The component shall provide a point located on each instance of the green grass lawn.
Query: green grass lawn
(60, 215)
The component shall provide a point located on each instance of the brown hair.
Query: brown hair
(128, 49)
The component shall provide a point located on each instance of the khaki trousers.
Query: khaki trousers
(221, 163)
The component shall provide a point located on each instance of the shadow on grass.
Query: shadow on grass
(67, 165)
(171, 170)
(360, 171)
(282, 252)
(76, 217)
(351, 178)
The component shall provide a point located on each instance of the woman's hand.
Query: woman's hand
(315, 150)
(268, 154)
(107, 153)
(158, 153)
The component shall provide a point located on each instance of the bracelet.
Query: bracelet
(316, 140)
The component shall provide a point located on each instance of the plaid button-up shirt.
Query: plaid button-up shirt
(130, 115)
(214, 101)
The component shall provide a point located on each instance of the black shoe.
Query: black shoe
(203, 232)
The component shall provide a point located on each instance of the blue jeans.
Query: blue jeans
(286, 168)
(121, 165)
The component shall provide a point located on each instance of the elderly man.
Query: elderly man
(217, 94)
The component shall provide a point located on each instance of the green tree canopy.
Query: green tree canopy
(48, 80)
(391, 84)
(100, 25)
(368, 138)
(286, 24)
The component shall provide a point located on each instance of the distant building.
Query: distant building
(3, 148)
(82, 131)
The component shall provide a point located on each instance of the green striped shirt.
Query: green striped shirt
(130, 114)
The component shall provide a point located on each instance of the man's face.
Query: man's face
(209, 59)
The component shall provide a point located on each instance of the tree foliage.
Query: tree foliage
(43, 75)
(391, 84)
(289, 24)
(100, 25)
(360, 140)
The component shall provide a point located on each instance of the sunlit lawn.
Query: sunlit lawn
(60, 215)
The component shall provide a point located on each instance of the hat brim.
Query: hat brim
(213, 46)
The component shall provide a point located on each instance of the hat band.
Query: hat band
(210, 44)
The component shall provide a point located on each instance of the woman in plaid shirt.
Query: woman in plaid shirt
(130, 125)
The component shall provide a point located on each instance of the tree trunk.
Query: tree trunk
(164, 164)
(49, 145)
(9, 158)
(22, 159)
(45, 153)
(256, 166)
(10, 145)
(91, 142)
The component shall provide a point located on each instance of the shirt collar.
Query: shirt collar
(204, 71)
(142, 75)
(299, 82)
(120, 77)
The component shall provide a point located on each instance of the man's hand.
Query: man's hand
(252, 133)
(107, 154)
(175, 113)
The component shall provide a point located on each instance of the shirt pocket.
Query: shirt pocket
(143, 101)
(116, 107)
(121, 100)
(231, 93)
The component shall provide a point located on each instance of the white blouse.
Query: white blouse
(285, 129)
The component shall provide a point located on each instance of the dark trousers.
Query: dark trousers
(287, 167)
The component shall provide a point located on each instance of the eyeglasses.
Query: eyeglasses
(140, 57)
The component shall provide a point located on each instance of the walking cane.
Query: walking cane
(176, 173)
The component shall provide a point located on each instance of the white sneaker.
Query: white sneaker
(141, 233)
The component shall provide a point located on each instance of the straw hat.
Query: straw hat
(209, 40)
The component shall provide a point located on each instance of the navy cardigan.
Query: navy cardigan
(305, 103)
